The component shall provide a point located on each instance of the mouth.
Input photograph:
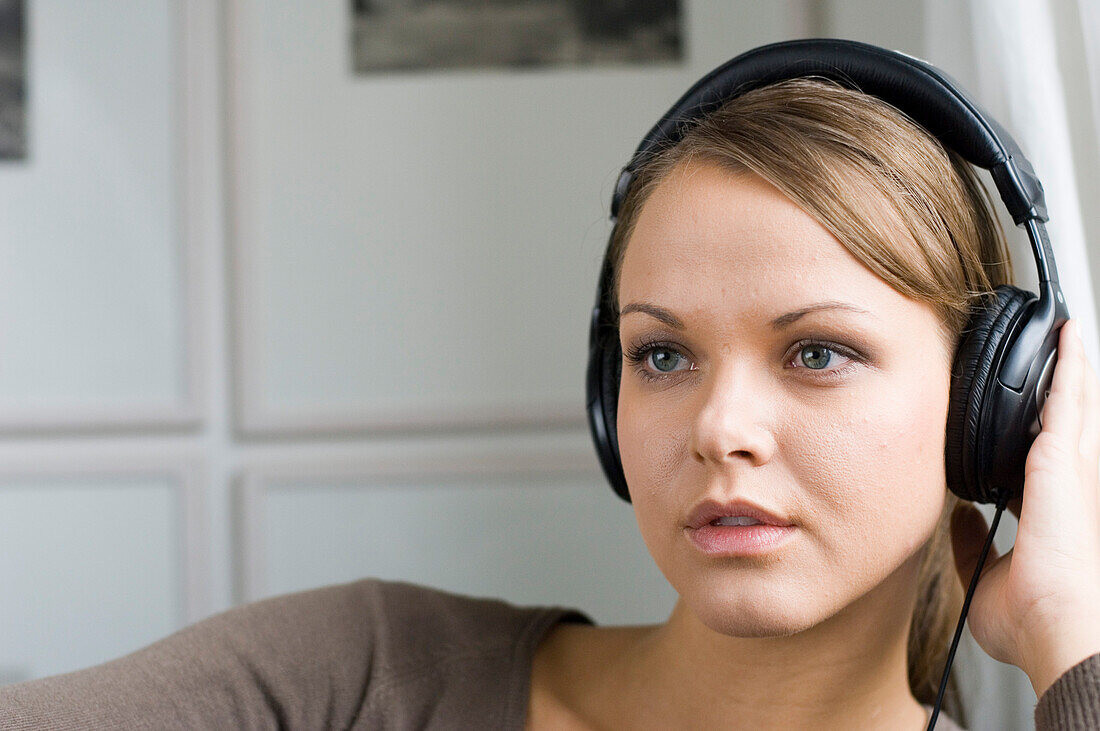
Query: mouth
(735, 520)
(732, 529)
(733, 514)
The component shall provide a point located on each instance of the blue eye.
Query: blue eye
(815, 357)
(657, 361)
(665, 360)
(823, 360)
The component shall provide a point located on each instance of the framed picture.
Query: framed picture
(13, 81)
(400, 35)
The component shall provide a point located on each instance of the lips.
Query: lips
(737, 530)
(710, 511)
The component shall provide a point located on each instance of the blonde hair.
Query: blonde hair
(912, 212)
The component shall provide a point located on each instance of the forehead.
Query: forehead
(705, 234)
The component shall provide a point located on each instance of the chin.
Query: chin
(745, 615)
(754, 626)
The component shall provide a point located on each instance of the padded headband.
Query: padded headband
(929, 96)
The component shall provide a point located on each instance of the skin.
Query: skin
(813, 632)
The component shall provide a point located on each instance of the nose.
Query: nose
(733, 424)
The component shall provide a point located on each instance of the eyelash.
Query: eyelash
(833, 374)
(637, 355)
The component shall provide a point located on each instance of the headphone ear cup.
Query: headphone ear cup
(611, 367)
(970, 375)
(604, 372)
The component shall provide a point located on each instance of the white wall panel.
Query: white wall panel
(91, 263)
(546, 535)
(895, 25)
(101, 566)
(421, 249)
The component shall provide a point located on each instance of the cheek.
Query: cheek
(878, 461)
(653, 447)
(652, 442)
(904, 431)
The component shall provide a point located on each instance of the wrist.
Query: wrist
(1066, 644)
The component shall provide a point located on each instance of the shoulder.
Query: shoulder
(351, 655)
(438, 655)
(390, 631)
(406, 626)
(369, 611)
(414, 654)
(374, 614)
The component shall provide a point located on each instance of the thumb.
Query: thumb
(968, 534)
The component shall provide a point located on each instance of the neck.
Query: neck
(849, 671)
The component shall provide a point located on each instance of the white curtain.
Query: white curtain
(1035, 66)
(1088, 15)
(1032, 71)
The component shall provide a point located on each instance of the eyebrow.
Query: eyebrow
(791, 317)
(665, 316)
(658, 313)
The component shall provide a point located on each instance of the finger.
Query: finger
(1090, 432)
(1063, 412)
(968, 534)
(1090, 426)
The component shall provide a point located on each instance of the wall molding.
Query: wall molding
(187, 479)
(255, 482)
(185, 413)
(254, 415)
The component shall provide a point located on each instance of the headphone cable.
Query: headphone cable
(1001, 503)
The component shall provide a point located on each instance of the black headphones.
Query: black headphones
(1004, 363)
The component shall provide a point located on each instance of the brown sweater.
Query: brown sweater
(367, 655)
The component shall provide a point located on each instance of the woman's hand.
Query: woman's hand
(1038, 606)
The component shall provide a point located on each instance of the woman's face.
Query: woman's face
(766, 369)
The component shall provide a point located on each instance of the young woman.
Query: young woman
(790, 283)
